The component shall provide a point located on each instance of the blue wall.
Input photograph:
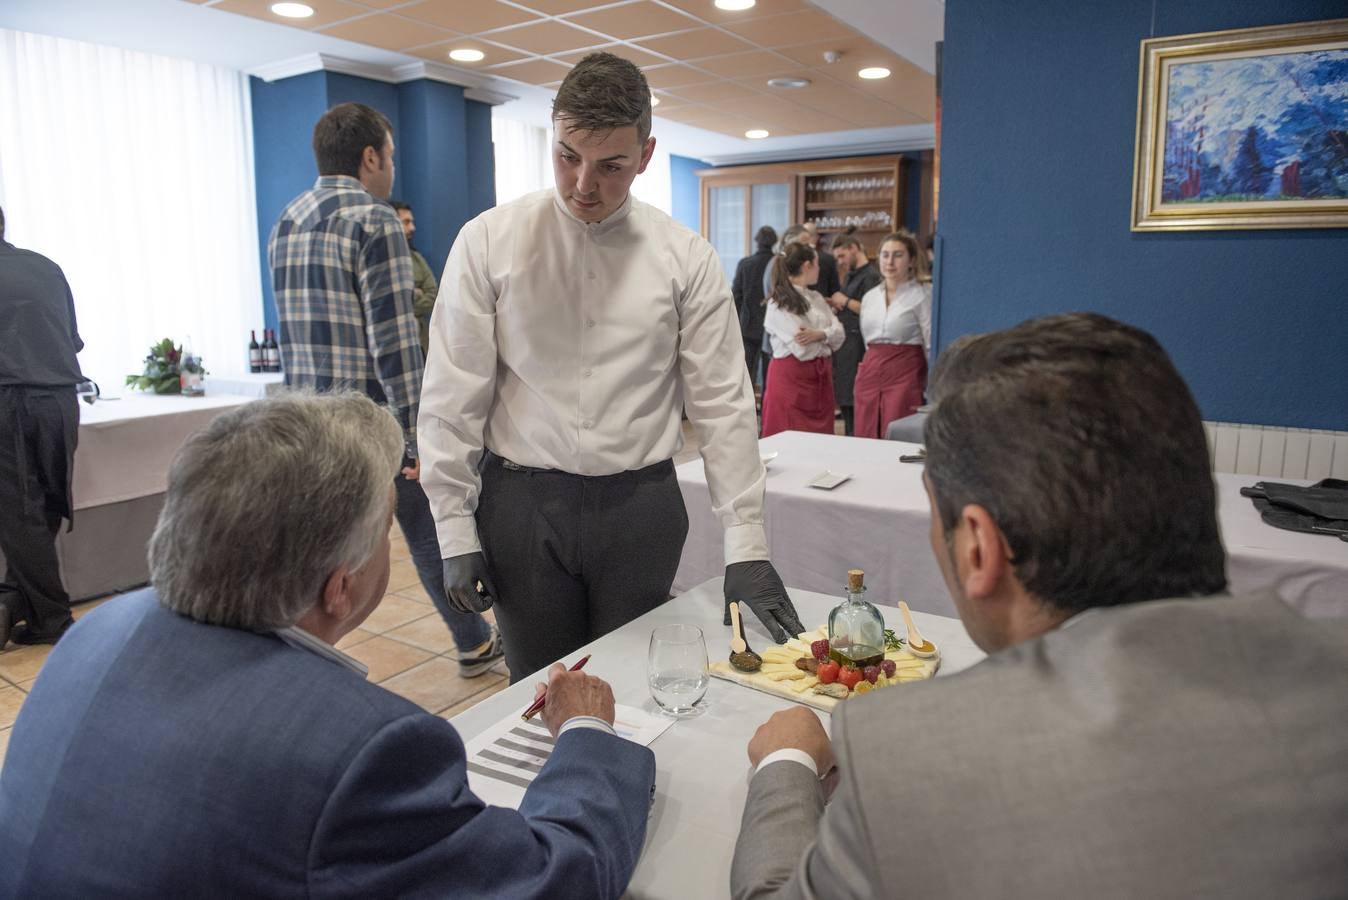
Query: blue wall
(443, 153)
(1039, 103)
(283, 156)
(685, 198)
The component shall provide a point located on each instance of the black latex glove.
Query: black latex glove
(462, 574)
(757, 585)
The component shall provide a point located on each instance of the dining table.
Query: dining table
(702, 767)
(879, 519)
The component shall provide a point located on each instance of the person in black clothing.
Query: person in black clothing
(39, 425)
(862, 275)
(828, 283)
(747, 289)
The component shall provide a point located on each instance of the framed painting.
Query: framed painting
(1243, 129)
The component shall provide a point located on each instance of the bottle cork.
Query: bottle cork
(855, 579)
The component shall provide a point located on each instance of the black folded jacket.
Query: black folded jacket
(1321, 508)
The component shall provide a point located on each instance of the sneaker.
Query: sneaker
(483, 657)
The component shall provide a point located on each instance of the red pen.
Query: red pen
(537, 705)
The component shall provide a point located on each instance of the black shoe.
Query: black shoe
(6, 622)
(26, 635)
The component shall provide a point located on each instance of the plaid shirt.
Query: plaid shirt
(342, 273)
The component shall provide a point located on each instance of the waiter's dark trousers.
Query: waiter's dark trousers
(574, 557)
(38, 431)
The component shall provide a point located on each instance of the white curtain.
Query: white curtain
(134, 173)
(524, 164)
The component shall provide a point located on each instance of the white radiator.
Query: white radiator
(1277, 452)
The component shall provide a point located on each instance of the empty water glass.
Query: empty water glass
(676, 668)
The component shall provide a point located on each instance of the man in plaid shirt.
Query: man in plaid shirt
(342, 273)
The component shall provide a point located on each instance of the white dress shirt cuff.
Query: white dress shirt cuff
(745, 543)
(458, 535)
(594, 722)
(789, 754)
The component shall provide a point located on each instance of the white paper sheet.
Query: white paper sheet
(504, 760)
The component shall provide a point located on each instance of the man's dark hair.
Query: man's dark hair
(848, 240)
(341, 136)
(1082, 441)
(603, 92)
(400, 205)
(765, 237)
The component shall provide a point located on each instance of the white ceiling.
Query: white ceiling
(173, 28)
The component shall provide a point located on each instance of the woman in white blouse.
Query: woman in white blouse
(804, 332)
(896, 326)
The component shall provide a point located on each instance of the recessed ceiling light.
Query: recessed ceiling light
(734, 5)
(655, 101)
(467, 54)
(874, 72)
(788, 82)
(756, 134)
(292, 10)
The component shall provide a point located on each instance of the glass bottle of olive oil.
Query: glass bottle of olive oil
(856, 630)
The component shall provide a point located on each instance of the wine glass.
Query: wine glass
(676, 669)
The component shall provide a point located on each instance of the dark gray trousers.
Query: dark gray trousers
(38, 431)
(574, 557)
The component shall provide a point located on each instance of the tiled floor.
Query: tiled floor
(404, 642)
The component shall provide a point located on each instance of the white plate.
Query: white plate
(768, 457)
(827, 481)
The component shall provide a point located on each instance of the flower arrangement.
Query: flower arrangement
(164, 366)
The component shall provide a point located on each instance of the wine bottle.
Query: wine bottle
(272, 353)
(254, 353)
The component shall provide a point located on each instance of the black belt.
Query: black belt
(490, 458)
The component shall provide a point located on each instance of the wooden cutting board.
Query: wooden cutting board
(800, 690)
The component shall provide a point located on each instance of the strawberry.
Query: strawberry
(819, 649)
(828, 672)
(849, 675)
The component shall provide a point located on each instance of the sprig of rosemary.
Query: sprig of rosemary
(892, 640)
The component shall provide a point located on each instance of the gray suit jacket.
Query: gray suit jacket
(158, 757)
(1178, 748)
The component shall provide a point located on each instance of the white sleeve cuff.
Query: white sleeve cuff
(458, 535)
(789, 754)
(594, 722)
(745, 542)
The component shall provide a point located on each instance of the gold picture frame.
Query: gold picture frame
(1243, 129)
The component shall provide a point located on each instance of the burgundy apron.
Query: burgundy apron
(889, 386)
(798, 396)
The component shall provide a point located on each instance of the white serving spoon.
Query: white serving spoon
(917, 644)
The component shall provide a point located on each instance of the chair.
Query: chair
(908, 429)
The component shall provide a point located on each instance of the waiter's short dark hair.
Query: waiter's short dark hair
(1082, 441)
(603, 92)
(765, 237)
(400, 205)
(341, 136)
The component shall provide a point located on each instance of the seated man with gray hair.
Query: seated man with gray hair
(206, 736)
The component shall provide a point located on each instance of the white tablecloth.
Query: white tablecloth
(880, 521)
(246, 384)
(126, 445)
(702, 768)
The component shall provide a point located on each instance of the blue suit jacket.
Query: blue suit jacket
(159, 756)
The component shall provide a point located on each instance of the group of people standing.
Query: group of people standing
(857, 344)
